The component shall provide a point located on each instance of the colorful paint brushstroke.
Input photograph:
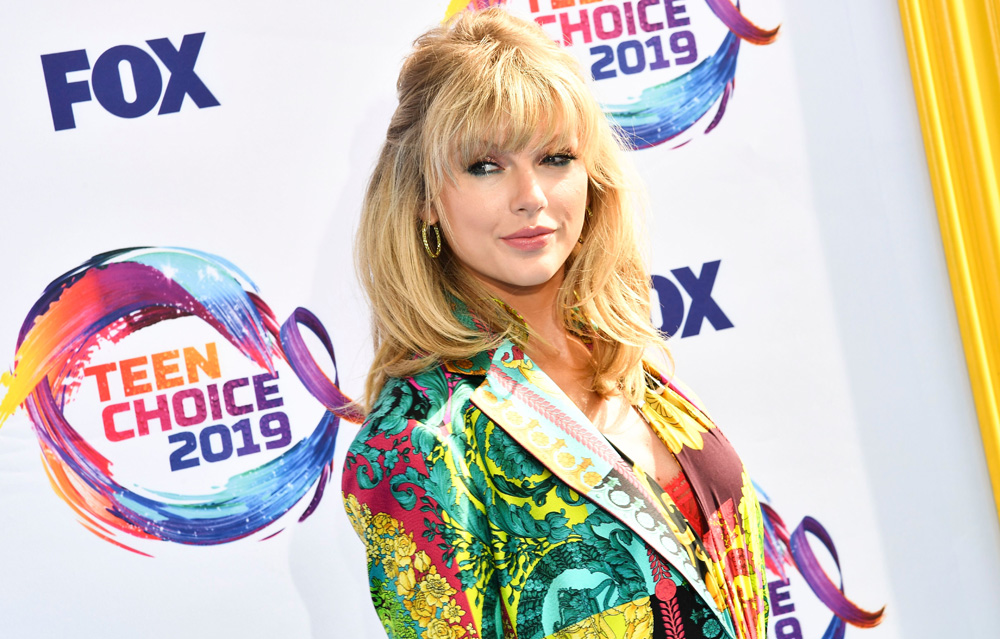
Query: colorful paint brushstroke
(783, 550)
(115, 295)
(457, 6)
(664, 111)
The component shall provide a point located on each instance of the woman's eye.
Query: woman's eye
(483, 167)
(558, 159)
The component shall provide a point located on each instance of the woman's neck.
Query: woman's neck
(538, 306)
(562, 355)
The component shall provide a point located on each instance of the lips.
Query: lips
(529, 231)
(529, 238)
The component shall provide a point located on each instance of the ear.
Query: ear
(430, 215)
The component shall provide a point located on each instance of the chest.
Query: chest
(631, 434)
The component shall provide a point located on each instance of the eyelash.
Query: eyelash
(552, 159)
(480, 167)
(561, 159)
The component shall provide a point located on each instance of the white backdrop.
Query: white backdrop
(841, 382)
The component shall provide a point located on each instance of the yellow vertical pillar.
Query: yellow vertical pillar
(954, 50)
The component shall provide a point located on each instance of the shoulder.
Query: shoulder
(413, 420)
(428, 398)
(409, 462)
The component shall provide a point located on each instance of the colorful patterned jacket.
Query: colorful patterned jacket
(491, 507)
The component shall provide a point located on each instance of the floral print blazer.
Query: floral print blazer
(491, 507)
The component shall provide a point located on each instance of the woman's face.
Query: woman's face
(512, 218)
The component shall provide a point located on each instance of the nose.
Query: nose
(529, 196)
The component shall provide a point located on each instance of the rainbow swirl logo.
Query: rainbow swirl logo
(784, 550)
(662, 69)
(170, 405)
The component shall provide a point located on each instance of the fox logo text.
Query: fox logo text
(127, 94)
(701, 307)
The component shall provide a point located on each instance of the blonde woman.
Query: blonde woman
(524, 471)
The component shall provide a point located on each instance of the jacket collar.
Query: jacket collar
(479, 363)
(520, 398)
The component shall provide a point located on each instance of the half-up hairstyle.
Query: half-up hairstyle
(487, 80)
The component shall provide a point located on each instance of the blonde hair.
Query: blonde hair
(483, 81)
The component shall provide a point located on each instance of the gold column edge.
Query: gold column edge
(954, 53)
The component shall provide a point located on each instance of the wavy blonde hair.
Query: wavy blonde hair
(487, 80)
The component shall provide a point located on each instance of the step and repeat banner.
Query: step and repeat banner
(180, 190)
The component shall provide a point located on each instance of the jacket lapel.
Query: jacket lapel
(520, 398)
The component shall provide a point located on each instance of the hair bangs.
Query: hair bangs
(506, 106)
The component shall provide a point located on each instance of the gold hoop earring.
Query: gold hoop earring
(427, 244)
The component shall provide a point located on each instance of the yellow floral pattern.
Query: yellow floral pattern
(426, 595)
(674, 426)
(633, 620)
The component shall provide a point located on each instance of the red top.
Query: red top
(679, 490)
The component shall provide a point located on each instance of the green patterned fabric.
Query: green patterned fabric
(491, 507)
